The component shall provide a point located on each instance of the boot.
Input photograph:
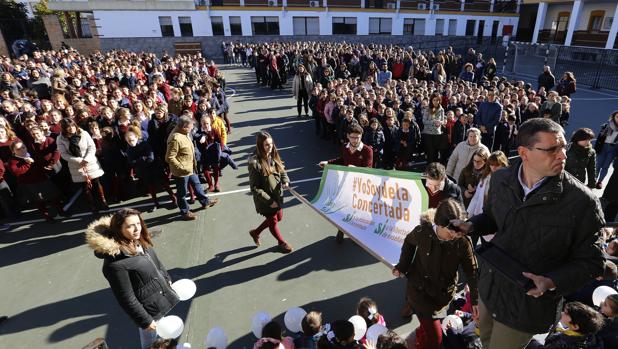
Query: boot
(216, 172)
(208, 176)
(102, 197)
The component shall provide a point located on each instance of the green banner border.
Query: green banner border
(379, 172)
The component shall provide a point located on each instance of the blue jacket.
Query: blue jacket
(488, 115)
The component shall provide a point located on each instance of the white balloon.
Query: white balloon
(374, 331)
(293, 318)
(183, 346)
(184, 288)
(600, 293)
(260, 319)
(216, 338)
(455, 321)
(360, 326)
(170, 327)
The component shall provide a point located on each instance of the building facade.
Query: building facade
(570, 23)
(155, 25)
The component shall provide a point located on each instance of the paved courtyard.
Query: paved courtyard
(56, 296)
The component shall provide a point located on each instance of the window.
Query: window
(413, 26)
(186, 29)
(470, 27)
(265, 25)
(452, 27)
(217, 25)
(166, 26)
(408, 26)
(306, 26)
(85, 25)
(380, 25)
(235, 26)
(439, 27)
(344, 25)
(595, 21)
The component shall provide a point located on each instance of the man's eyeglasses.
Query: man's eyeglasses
(551, 150)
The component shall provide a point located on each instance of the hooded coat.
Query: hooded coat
(139, 282)
(431, 267)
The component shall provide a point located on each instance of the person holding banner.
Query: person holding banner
(355, 154)
(267, 180)
(439, 186)
(430, 258)
(137, 278)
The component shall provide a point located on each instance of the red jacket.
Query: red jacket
(363, 158)
(45, 153)
(26, 173)
(397, 70)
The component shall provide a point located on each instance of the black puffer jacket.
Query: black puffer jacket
(554, 232)
(581, 161)
(140, 283)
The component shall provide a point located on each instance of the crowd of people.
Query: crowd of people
(114, 123)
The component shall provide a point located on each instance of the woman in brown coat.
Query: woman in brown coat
(430, 257)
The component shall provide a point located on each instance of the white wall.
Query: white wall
(609, 9)
(123, 24)
(552, 13)
(554, 9)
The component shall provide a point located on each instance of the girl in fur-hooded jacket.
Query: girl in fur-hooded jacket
(137, 278)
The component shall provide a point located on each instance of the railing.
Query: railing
(423, 5)
(594, 67)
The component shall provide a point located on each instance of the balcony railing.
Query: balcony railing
(508, 6)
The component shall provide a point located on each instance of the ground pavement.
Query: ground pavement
(56, 296)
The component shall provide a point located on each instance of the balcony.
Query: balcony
(508, 6)
(135, 5)
(592, 39)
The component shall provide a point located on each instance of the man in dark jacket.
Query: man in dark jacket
(550, 223)
(487, 118)
(439, 186)
(547, 79)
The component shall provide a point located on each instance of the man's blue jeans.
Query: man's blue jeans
(181, 191)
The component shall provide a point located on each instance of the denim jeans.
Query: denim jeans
(181, 191)
(146, 338)
(605, 158)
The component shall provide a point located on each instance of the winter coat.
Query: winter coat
(553, 232)
(266, 189)
(581, 161)
(568, 340)
(158, 132)
(609, 333)
(566, 87)
(180, 154)
(431, 267)
(458, 133)
(461, 157)
(308, 82)
(555, 110)
(141, 158)
(139, 282)
(88, 150)
(488, 115)
(547, 80)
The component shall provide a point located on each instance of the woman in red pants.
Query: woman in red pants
(430, 258)
(268, 179)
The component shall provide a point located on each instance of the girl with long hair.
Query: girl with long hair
(268, 179)
(137, 278)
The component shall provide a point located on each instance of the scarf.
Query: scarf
(612, 132)
(74, 148)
